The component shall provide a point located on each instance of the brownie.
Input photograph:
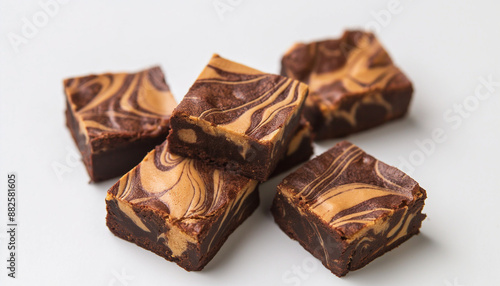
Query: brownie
(353, 83)
(237, 118)
(347, 208)
(181, 209)
(298, 151)
(117, 118)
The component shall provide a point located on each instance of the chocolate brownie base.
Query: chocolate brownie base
(125, 153)
(354, 85)
(299, 150)
(196, 256)
(116, 118)
(237, 118)
(367, 115)
(347, 208)
(334, 252)
(258, 160)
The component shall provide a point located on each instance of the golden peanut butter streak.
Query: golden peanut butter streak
(348, 197)
(333, 171)
(368, 66)
(346, 203)
(121, 98)
(177, 183)
(261, 110)
(335, 69)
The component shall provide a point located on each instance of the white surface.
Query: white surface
(444, 47)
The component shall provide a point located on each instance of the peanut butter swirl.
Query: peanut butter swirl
(243, 100)
(181, 188)
(349, 189)
(334, 69)
(125, 103)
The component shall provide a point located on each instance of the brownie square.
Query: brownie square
(117, 118)
(237, 118)
(353, 83)
(347, 208)
(181, 209)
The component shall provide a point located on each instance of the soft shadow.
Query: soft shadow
(420, 247)
(392, 129)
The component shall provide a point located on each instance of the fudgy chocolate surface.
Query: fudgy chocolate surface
(182, 209)
(347, 208)
(237, 116)
(115, 119)
(354, 85)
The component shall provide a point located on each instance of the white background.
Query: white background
(445, 48)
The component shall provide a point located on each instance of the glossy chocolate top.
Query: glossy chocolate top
(243, 100)
(181, 189)
(354, 64)
(349, 189)
(120, 103)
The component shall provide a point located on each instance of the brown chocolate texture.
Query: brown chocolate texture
(347, 208)
(237, 118)
(299, 150)
(181, 209)
(354, 85)
(115, 119)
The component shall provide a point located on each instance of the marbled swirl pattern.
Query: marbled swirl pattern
(243, 100)
(179, 187)
(353, 65)
(348, 189)
(134, 103)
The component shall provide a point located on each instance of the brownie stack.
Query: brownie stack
(229, 132)
(237, 127)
